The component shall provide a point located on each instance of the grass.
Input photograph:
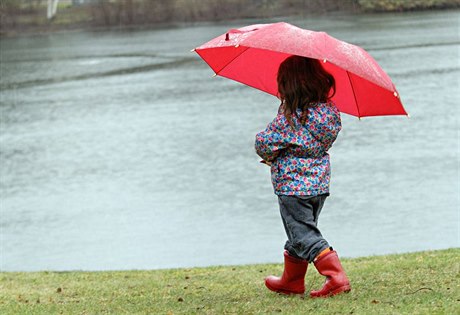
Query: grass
(416, 283)
(404, 5)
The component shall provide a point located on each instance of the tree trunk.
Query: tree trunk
(52, 8)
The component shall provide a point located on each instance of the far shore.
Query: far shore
(78, 19)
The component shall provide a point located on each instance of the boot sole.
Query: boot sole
(343, 289)
(283, 291)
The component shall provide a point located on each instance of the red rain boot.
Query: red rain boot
(293, 279)
(336, 280)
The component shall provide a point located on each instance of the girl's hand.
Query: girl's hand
(266, 162)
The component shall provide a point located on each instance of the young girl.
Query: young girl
(295, 146)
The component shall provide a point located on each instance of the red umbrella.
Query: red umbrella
(252, 55)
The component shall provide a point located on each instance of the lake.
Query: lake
(120, 151)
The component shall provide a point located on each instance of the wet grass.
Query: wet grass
(416, 283)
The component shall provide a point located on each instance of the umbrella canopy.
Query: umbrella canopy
(252, 55)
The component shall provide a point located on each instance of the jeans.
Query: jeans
(300, 219)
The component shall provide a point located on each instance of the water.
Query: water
(119, 151)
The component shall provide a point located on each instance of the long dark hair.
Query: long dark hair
(302, 82)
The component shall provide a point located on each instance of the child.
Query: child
(295, 146)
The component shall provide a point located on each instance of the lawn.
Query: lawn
(416, 283)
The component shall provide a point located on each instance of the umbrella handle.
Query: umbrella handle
(237, 31)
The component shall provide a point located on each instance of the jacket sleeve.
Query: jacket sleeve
(327, 127)
(273, 139)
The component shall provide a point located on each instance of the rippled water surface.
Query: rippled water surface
(118, 150)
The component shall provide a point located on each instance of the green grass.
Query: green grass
(405, 5)
(417, 283)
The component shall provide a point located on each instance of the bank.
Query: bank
(416, 283)
(24, 17)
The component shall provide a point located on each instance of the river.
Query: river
(120, 151)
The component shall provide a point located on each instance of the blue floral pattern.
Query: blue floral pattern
(300, 162)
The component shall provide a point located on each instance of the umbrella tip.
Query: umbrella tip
(407, 115)
(192, 50)
(214, 75)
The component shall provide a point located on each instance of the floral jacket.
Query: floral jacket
(300, 162)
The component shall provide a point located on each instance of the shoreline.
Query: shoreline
(44, 27)
(166, 269)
